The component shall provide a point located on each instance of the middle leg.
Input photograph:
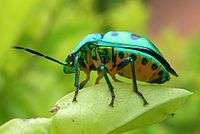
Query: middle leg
(103, 70)
(84, 82)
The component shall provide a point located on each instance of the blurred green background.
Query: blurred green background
(29, 86)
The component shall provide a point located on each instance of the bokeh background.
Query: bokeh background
(29, 85)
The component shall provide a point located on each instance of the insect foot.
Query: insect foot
(145, 103)
(112, 101)
(74, 100)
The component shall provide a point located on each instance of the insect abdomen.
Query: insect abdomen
(147, 68)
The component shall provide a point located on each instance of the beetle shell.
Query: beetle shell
(129, 39)
(113, 47)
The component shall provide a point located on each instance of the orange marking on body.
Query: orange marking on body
(155, 74)
(139, 69)
(152, 73)
(148, 70)
(143, 72)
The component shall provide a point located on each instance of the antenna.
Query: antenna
(38, 54)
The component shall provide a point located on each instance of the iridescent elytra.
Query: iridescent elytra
(123, 53)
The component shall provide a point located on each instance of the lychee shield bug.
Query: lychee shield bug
(122, 53)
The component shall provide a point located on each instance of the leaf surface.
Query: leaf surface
(91, 114)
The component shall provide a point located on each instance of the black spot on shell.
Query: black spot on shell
(154, 66)
(144, 61)
(121, 55)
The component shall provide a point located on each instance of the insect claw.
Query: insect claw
(81, 86)
(145, 103)
(74, 100)
(111, 104)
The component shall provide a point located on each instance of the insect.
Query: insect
(123, 53)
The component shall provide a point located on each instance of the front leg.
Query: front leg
(76, 80)
(84, 82)
(103, 70)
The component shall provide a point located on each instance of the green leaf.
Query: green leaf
(26, 126)
(91, 114)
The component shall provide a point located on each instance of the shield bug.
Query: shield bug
(123, 53)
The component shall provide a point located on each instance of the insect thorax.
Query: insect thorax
(90, 56)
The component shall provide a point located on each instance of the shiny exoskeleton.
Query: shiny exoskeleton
(122, 53)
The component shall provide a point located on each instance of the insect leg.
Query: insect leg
(111, 88)
(135, 88)
(77, 77)
(98, 64)
(124, 63)
(82, 84)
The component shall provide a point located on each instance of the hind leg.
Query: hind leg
(125, 62)
(135, 88)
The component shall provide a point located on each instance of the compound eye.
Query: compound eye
(70, 63)
(71, 56)
(70, 59)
